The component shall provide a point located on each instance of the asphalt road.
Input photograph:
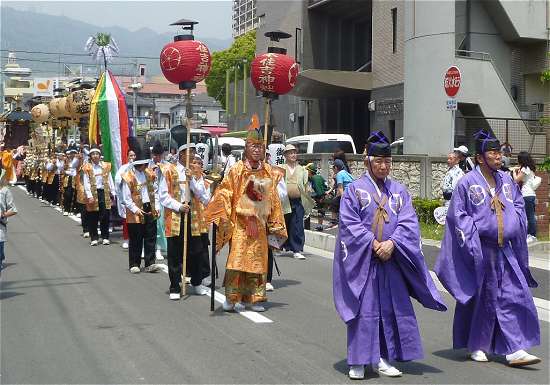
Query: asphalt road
(71, 313)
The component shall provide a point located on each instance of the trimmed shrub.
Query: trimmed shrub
(425, 209)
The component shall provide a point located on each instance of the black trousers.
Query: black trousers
(102, 216)
(29, 184)
(198, 263)
(68, 195)
(142, 236)
(54, 193)
(38, 189)
(83, 218)
(269, 264)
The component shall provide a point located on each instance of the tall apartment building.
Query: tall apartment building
(244, 16)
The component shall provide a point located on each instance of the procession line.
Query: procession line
(218, 297)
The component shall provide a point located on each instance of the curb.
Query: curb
(327, 242)
(319, 240)
(543, 247)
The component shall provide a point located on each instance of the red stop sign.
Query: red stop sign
(451, 82)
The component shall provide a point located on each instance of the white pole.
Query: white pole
(453, 118)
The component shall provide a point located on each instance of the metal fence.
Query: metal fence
(522, 134)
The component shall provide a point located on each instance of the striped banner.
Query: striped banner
(109, 121)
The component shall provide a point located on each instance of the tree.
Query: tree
(241, 53)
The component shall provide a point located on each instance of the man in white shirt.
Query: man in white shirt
(155, 164)
(175, 199)
(99, 188)
(138, 195)
(228, 158)
(464, 161)
(451, 177)
(70, 172)
(120, 199)
(59, 170)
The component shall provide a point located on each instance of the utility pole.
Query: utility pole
(134, 106)
(1, 89)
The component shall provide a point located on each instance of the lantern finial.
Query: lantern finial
(276, 36)
(186, 25)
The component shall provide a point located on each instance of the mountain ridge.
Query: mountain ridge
(24, 31)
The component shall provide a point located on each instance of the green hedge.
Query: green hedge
(425, 209)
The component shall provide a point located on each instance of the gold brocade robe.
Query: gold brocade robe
(226, 209)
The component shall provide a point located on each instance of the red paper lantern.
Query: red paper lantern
(274, 73)
(185, 61)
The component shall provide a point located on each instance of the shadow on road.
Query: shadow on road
(412, 367)
(279, 283)
(459, 355)
(44, 282)
(342, 367)
(416, 368)
(8, 264)
(8, 294)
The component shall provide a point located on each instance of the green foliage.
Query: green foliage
(545, 166)
(241, 52)
(425, 209)
(432, 231)
(103, 39)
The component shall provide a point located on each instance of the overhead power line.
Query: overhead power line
(62, 62)
(75, 54)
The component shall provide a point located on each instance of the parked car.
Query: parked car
(323, 143)
(397, 147)
(237, 148)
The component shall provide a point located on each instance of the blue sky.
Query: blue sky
(214, 16)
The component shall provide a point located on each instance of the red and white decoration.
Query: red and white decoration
(274, 73)
(185, 60)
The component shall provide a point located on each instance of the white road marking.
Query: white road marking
(251, 315)
(542, 305)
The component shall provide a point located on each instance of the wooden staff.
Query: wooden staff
(188, 115)
(216, 177)
(267, 118)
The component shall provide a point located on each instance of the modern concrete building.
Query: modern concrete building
(500, 48)
(333, 42)
(379, 65)
(244, 16)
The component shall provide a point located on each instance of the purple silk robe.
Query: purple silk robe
(495, 311)
(373, 297)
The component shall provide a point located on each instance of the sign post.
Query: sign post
(451, 85)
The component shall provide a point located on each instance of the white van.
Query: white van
(323, 143)
(237, 146)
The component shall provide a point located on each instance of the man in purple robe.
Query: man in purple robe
(483, 262)
(378, 266)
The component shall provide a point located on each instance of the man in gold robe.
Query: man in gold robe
(247, 210)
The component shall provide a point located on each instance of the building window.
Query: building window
(394, 29)
(222, 116)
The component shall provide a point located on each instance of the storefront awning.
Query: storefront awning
(317, 84)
